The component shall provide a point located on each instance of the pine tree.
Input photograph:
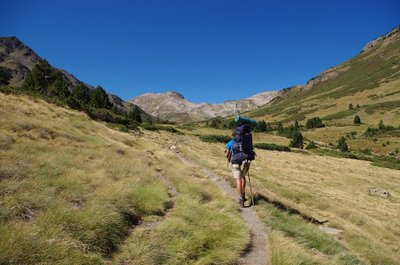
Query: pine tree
(280, 128)
(5, 76)
(58, 88)
(81, 93)
(297, 140)
(134, 115)
(357, 120)
(40, 77)
(381, 126)
(99, 99)
(296, 125)
(261, 126)
(269, 127)
(342, 144)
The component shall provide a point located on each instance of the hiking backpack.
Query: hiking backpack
(242, 148)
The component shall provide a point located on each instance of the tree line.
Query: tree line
(48, 82)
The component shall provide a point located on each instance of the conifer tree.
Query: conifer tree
(280, 128)
(296, 125)
(297, 140)
(134, 115)
(82, 93)
(99, 99)
(5, 76)
(40, 77)
(342, 144)
(261, 126)
(357, 120)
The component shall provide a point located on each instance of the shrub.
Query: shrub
(311, 145)
(366, 151)
(169, 129)
(149, 127)
(371, 132)
(315, 122)
(385, 128)
(106, 115)
(272, 147)
(215, 138)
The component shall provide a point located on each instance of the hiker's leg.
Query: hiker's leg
(245, 170)
(243, 186)
(237, 175)
(239, 186)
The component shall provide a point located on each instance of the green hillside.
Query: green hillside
(367, 85)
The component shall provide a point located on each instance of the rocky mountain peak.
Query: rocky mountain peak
(17, 58)
(10, 43)
(175, 94)
(173, 106)
(385, 39)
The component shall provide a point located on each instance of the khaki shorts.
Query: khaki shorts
(240, 171)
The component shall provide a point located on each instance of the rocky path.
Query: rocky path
(256, 251)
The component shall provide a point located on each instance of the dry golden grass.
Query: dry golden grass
(286, 251)
(383, 144)
(319, 106)
(328, 106)
(71, 188)
(68, 183)
(326, 188)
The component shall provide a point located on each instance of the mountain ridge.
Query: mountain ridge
(19, 60)
(173, 106)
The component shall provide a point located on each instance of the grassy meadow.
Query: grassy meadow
(74, 191)
(333, 191)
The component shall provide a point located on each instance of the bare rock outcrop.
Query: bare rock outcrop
(174, 107)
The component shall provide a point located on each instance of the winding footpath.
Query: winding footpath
(256, 251)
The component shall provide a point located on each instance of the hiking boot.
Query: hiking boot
(241, 202)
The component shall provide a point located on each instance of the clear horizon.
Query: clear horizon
(208, 51)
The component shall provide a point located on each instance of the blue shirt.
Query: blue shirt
(229, 145)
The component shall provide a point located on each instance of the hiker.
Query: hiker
(239, 152)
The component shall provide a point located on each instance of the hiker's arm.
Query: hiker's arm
(227, 153)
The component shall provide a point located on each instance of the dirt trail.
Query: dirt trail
(256, 252)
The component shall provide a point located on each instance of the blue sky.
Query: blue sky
(209, 51)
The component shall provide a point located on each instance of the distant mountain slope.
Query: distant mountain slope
(174, 107)
(370, 80)
(18, 59)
